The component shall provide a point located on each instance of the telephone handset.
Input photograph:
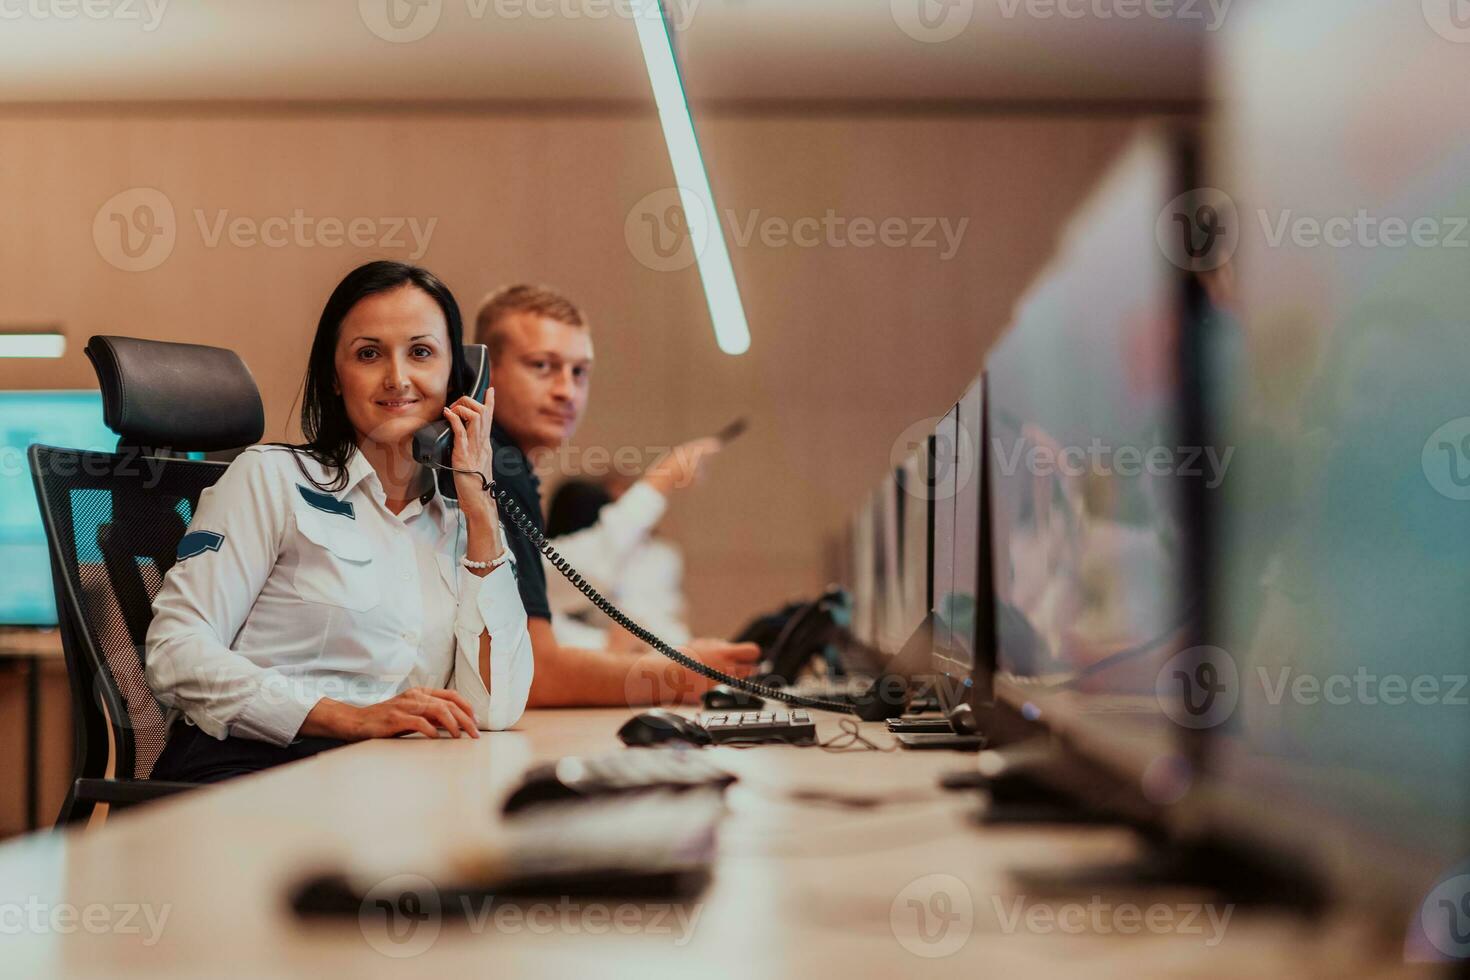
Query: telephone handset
(435, 441)
(432, 446)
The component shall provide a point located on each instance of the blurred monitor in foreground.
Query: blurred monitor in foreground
(1338, 602)
(1094, 472)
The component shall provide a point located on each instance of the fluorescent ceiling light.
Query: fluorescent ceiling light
(732, 332)
(32, 344)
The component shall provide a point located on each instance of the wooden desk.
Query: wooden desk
(801, 889)
(32, 647)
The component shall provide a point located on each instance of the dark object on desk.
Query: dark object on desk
(942, 742)
(161, 399)
(958, 731)
(659, 725)
(653, 846)
(722, 698)
(920, 725)
(960, 721)
(758, 727)
(793, 635)
(616, 774)
(1014, 779)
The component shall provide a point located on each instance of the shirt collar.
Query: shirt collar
(359, 469)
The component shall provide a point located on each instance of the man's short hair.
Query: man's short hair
(521, 298)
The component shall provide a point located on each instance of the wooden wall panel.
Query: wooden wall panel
(850, 345)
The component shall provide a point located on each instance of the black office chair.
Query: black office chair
(113, 522)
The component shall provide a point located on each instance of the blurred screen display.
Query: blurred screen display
(1085, 456)
(913, 500)
(864, 586)
(958, 607)
(1342, 577)
(945, 482)
(72, 419)
(887, 560)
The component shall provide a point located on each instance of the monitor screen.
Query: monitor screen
(887, 559)
(914, 501)
(945, 483)
(860, 565)
(1085, 457)
(966, 605)
(1340, 567)
(72, 419)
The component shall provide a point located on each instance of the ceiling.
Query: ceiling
(586, 51)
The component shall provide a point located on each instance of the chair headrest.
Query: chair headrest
(185, 397)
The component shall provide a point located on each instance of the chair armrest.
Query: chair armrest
(127, 792)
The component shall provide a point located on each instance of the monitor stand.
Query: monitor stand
(1013, 778)
(1243, 876)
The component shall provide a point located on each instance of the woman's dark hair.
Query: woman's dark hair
(574, 507)
(330, 438)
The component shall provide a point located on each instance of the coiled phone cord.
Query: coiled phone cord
(525, 526)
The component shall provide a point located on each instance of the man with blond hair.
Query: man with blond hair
(541, 369)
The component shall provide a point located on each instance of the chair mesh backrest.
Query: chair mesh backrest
(114, 523)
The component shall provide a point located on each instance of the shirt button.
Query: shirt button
(411, 637)
(407, 575)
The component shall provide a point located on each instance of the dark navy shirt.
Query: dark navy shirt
(512, 471)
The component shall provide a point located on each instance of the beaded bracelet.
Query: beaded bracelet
(492, 565)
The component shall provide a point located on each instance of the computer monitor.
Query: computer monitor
(1340, 569)
(916, 533)
(1090, 467)
(963, 612)
(892, 628)
(946, 484)
(72, 419)
(862, 581)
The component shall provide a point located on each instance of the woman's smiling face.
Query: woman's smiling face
(393, 364)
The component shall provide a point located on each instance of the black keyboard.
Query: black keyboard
(615, 774)
(653, 846)
(751, 727)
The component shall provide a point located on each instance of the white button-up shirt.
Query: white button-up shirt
(284, 594)
(639, 574)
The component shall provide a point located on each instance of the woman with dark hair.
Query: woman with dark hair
(328, 592)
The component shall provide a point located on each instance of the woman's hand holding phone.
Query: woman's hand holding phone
(470, 422)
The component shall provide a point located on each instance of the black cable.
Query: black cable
(853, 740)
(523, 523)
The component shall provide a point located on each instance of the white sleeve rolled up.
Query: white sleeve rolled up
(492, 604)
